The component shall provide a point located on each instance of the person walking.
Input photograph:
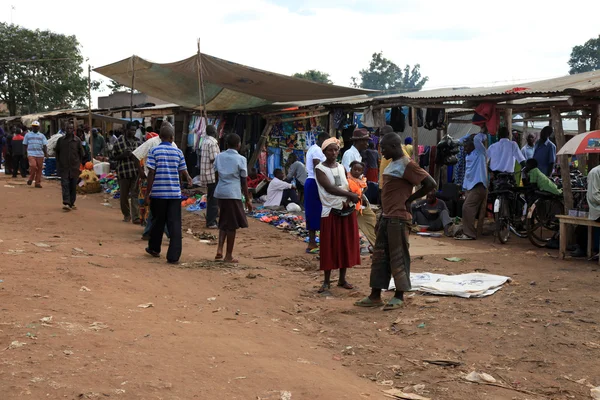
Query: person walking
(391, 258)
(69, 156)
(17, 152)
(231, 174)
(340, 243)
(312, 202)
(208, 154)
(35, 146)
(127, 174)
(166, 165)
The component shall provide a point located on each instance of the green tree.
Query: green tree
(315, 76)
(383, 74)
(586, 57)
(115, 86)
(40, 70)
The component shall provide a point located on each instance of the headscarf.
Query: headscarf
(329, 142)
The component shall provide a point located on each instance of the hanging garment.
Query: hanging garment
(397, 119)
(435, 118)
(419, 117)
(424, 157)
(379, 118)
(262, 162)
(368, 118)
(487, 115)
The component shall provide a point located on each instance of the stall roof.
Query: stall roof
(228, 86)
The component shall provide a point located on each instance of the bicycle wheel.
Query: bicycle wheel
(502, 220)
(542, 223)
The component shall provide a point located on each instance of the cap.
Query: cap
(35, 123)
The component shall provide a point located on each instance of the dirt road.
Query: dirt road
(72, 325)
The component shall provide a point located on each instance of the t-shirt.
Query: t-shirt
(297, 171)
(167, 161)
(351, 155)
(543, 182)
(231, 166)
(314, 153)
(400, 177)
(275, 192)
(142, 151)
(35, 143)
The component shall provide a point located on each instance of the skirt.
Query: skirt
(312, 205)
(372, 175)
(232, 215)
(340, 243)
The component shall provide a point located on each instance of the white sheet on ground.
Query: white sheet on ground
(465, 285)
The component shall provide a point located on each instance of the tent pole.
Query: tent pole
(132, 88)
(564, 159)
(90, 110)
(201, 83)
(261, 143)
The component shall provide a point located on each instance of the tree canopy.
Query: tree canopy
(383, 74)
(315, 76)
(40, 70)
(585, 57)
(115, 86)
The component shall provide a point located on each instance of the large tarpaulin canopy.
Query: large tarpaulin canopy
(227, 86)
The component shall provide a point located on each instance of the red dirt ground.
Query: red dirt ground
(259, 330)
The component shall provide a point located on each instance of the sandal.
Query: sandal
(324, 287)
(367, 302)
(312, 251)
(218, 257)
(232, 261)
(393, 304)
(346, 285)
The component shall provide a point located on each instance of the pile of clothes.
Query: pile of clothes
(110, 185)
(294, 224)
(194, 203)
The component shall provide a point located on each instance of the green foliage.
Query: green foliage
(315, 76)
(115, 87)
(28, 83)
(586, 57)
(383, 74)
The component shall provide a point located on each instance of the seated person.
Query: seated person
(297, 171)
(534, 176)
(257, 183)
(279, 192)
(432, 212)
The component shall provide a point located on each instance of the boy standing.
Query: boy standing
(35, 147)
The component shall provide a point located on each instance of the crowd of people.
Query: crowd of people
(331, 189)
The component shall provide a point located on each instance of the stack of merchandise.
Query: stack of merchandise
(110, 185)
(295, 224)
(194, 203)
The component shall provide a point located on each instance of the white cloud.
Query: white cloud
(457, 43)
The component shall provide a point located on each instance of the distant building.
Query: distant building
(123, 99)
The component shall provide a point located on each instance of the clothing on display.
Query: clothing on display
(419, 117)
(435, 118)
(487, 115)
(397, 119)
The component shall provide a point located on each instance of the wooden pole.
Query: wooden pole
(132, 88)
(508, 116)
(201, 83)
(415, 133)
(261, 143)
(90, 110)
(331, 125)
(524, 133)
(594, 159)
(581, 128)
(564, 159)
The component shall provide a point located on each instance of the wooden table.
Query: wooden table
(566, 219)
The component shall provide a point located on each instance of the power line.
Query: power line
(36, 60)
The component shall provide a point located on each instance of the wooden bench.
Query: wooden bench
(566, 219)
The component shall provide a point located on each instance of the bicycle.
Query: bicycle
(542, 224)
(510, 207)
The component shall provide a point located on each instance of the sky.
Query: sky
(457, 43)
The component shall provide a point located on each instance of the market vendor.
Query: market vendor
(280, 193)
(433, 213)
(593, 199)
(297, 172)
(257, 183)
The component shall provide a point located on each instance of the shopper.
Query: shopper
(17, 152)
(208, 153)
(391, 258)
(35, 148)
(231, 173)
(69, 156)
(340, 244)
(166, 165)
(312, 202)
(127, 174)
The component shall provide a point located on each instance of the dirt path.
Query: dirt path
(259, 330)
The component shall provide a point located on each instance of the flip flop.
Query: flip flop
(219, 257)
(324, 288)
(346, 285)
(312, 251)
(233, 261)
(394, 304)
(367, 302)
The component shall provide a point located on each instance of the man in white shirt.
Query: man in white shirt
(279, 192)
(360, 142)
(502, 154)
(593, 200)
(528, 149)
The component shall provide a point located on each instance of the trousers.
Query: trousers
(366, 223)
(150, 223)
(166, 212)
(129, 195)
(391, 258)
(18, 164)
(36, 164)
(438, 224)
(69, 190)
(212, 205)
(289, 196)
(470, 210)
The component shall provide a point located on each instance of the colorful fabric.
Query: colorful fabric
(340, 243)
(167, 162)
(357, 185)
(35, 143)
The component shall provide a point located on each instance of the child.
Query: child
(535, 176)
(366, 218)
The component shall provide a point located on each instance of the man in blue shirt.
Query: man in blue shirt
(166, 164)
(475, 183)
(35, 147)
(544, 152)
(527, 150)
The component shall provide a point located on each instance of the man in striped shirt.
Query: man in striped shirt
(166, 164)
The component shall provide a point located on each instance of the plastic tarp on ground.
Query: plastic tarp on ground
(228, 86)
(464, 285)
